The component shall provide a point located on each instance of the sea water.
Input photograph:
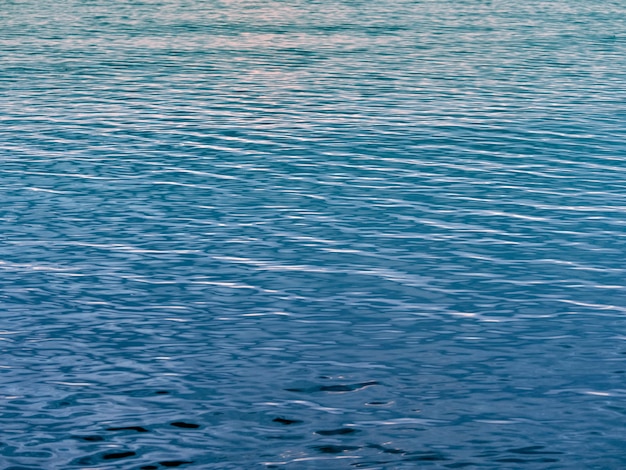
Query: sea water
(312, 234)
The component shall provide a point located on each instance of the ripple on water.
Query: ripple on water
(312, 234)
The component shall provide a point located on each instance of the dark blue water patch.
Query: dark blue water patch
(129, 428)
(90, 438)
(334, 449)
(184, 425)
(286, 421)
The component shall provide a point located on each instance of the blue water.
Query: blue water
(312, 234)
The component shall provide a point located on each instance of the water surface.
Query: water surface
(312, 234)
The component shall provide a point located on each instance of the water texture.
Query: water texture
(312, 234)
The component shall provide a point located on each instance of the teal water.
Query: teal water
(312, 234)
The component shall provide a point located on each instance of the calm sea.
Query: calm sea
(312, 234)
